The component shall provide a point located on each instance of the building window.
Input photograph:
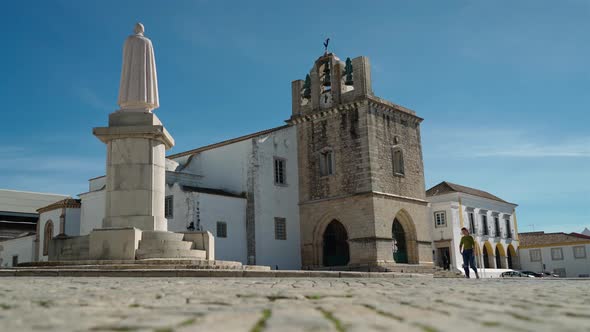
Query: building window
(280, 229)
(497, 226)
(327, 163)
(398, 162)
(508, 229)
(48, 234)
(472, 223)
(560, 272)
(484, 223)
(169, 206)
(14, 260)
(440, 219)
(579, 252)
(221, 229)
(535, 255)
(556, 254)
(280, 171)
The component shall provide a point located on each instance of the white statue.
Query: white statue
(138, 90)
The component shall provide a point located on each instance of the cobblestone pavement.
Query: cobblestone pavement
(267, 304)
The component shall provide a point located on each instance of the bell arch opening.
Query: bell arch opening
(335, 245)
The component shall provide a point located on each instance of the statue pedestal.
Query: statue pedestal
(136, 170)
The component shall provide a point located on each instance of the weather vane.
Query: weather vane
(326, 45)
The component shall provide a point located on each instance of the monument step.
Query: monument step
(161, 236)
(172, 253)
(164, 245)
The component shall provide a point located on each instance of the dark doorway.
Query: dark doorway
(335, 245)
(400, 249)
(486, 256)
(498, 262)
(444, 258)
(509, 258)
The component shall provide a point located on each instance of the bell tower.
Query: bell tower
(360, 169)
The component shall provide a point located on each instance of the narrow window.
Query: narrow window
(280, 229)
(484, 223)
(221, 229)
(556, 254)
(169, 206)
(497, 226)
(398, 162)
(327, 163)
(508, 229)
(472, 223)
(580, 252)
(280, 173)
(535, 255)
(440, 219)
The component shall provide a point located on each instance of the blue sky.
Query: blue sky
(503, 86)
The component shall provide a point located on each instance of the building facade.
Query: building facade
(567, 255)
(490, 220)
(361, 177)
(19, 222)
(340, 185)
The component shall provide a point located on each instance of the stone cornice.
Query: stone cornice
(157, 132)
(325, 112)
(70, 203)
(368, 193)
(374, 103)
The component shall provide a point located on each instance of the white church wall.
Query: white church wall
(22, 247)
(208, 209)
(92, 211)
(44, 218)
(224, 167)
(277, 201)
(72, 221)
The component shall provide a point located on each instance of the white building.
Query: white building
(565, 254)
(18, 224)
(244, 191)
(490, 219)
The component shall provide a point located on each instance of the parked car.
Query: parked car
(550, 275)
(532, 274)
(514, 274)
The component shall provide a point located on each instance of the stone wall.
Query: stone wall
(390, 129)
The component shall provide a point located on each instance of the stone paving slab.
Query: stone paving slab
(292, 304)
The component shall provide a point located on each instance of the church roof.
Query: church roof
(448, 187)
(226, 142)
(542, 239)
(64, 203)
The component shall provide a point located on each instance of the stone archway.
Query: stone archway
(335, 249)
(500, 257)
(47, 235)
(488, 255)
(511, 257)
(403, 234)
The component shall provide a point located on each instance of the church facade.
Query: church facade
(361, 176)
(341, 185)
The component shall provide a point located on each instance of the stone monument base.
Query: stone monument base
(130, 244)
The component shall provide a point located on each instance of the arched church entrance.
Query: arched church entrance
(335, 245)
(400, 247)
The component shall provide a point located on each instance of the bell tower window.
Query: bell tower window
(398, 162)
(327, 163)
